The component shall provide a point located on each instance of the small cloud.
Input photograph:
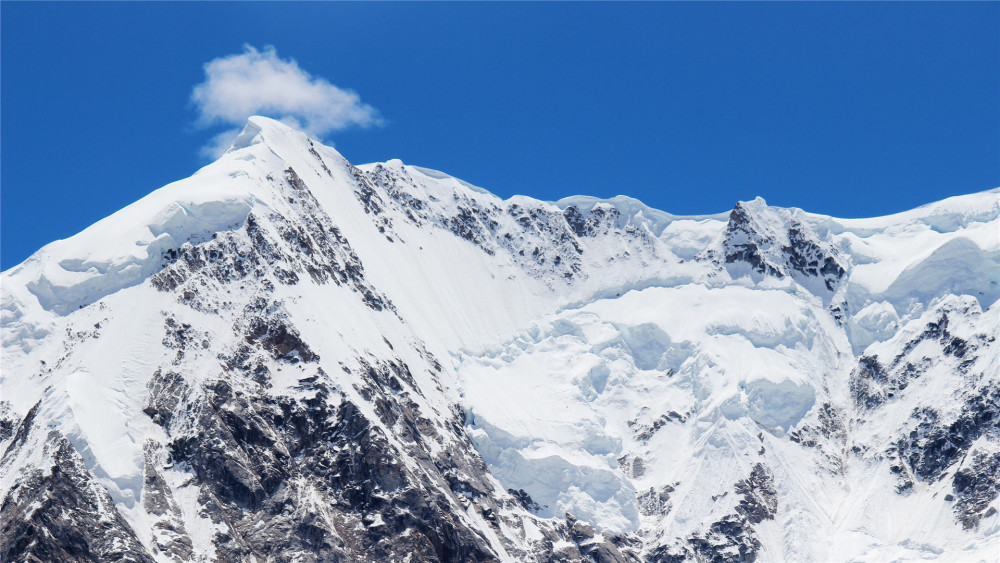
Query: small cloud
(260, 83)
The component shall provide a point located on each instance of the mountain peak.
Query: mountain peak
(251, 134)
(444, 373)
(269, 131)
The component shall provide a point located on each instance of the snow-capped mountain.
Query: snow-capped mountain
(286, 357)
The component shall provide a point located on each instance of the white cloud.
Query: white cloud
(259, 83)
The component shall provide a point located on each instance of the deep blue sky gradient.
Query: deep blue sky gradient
(848, 109)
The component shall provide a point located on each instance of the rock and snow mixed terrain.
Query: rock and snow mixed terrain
(286, 357)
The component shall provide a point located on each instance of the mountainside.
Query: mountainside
(286, 357)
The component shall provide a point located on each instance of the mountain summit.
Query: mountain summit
(286, 357)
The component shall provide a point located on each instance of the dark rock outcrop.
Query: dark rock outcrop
(731, 539)
(789, 248)
(57, 512)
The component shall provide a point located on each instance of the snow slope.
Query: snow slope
(287, 356)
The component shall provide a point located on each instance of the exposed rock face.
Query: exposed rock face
(315, 472)
(977, 485)
(278, 248)
(539, 240)
(57, 512)
(774, 244)
(948, 344)
(745, 243)
(731, 539)
(311, 476)
(324, 481)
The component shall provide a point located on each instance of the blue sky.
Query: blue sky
(849, 109)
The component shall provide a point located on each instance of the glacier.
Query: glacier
(287, 357)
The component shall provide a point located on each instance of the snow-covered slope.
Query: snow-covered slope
(288, 357)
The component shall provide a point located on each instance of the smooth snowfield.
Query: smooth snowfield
(620, 370)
